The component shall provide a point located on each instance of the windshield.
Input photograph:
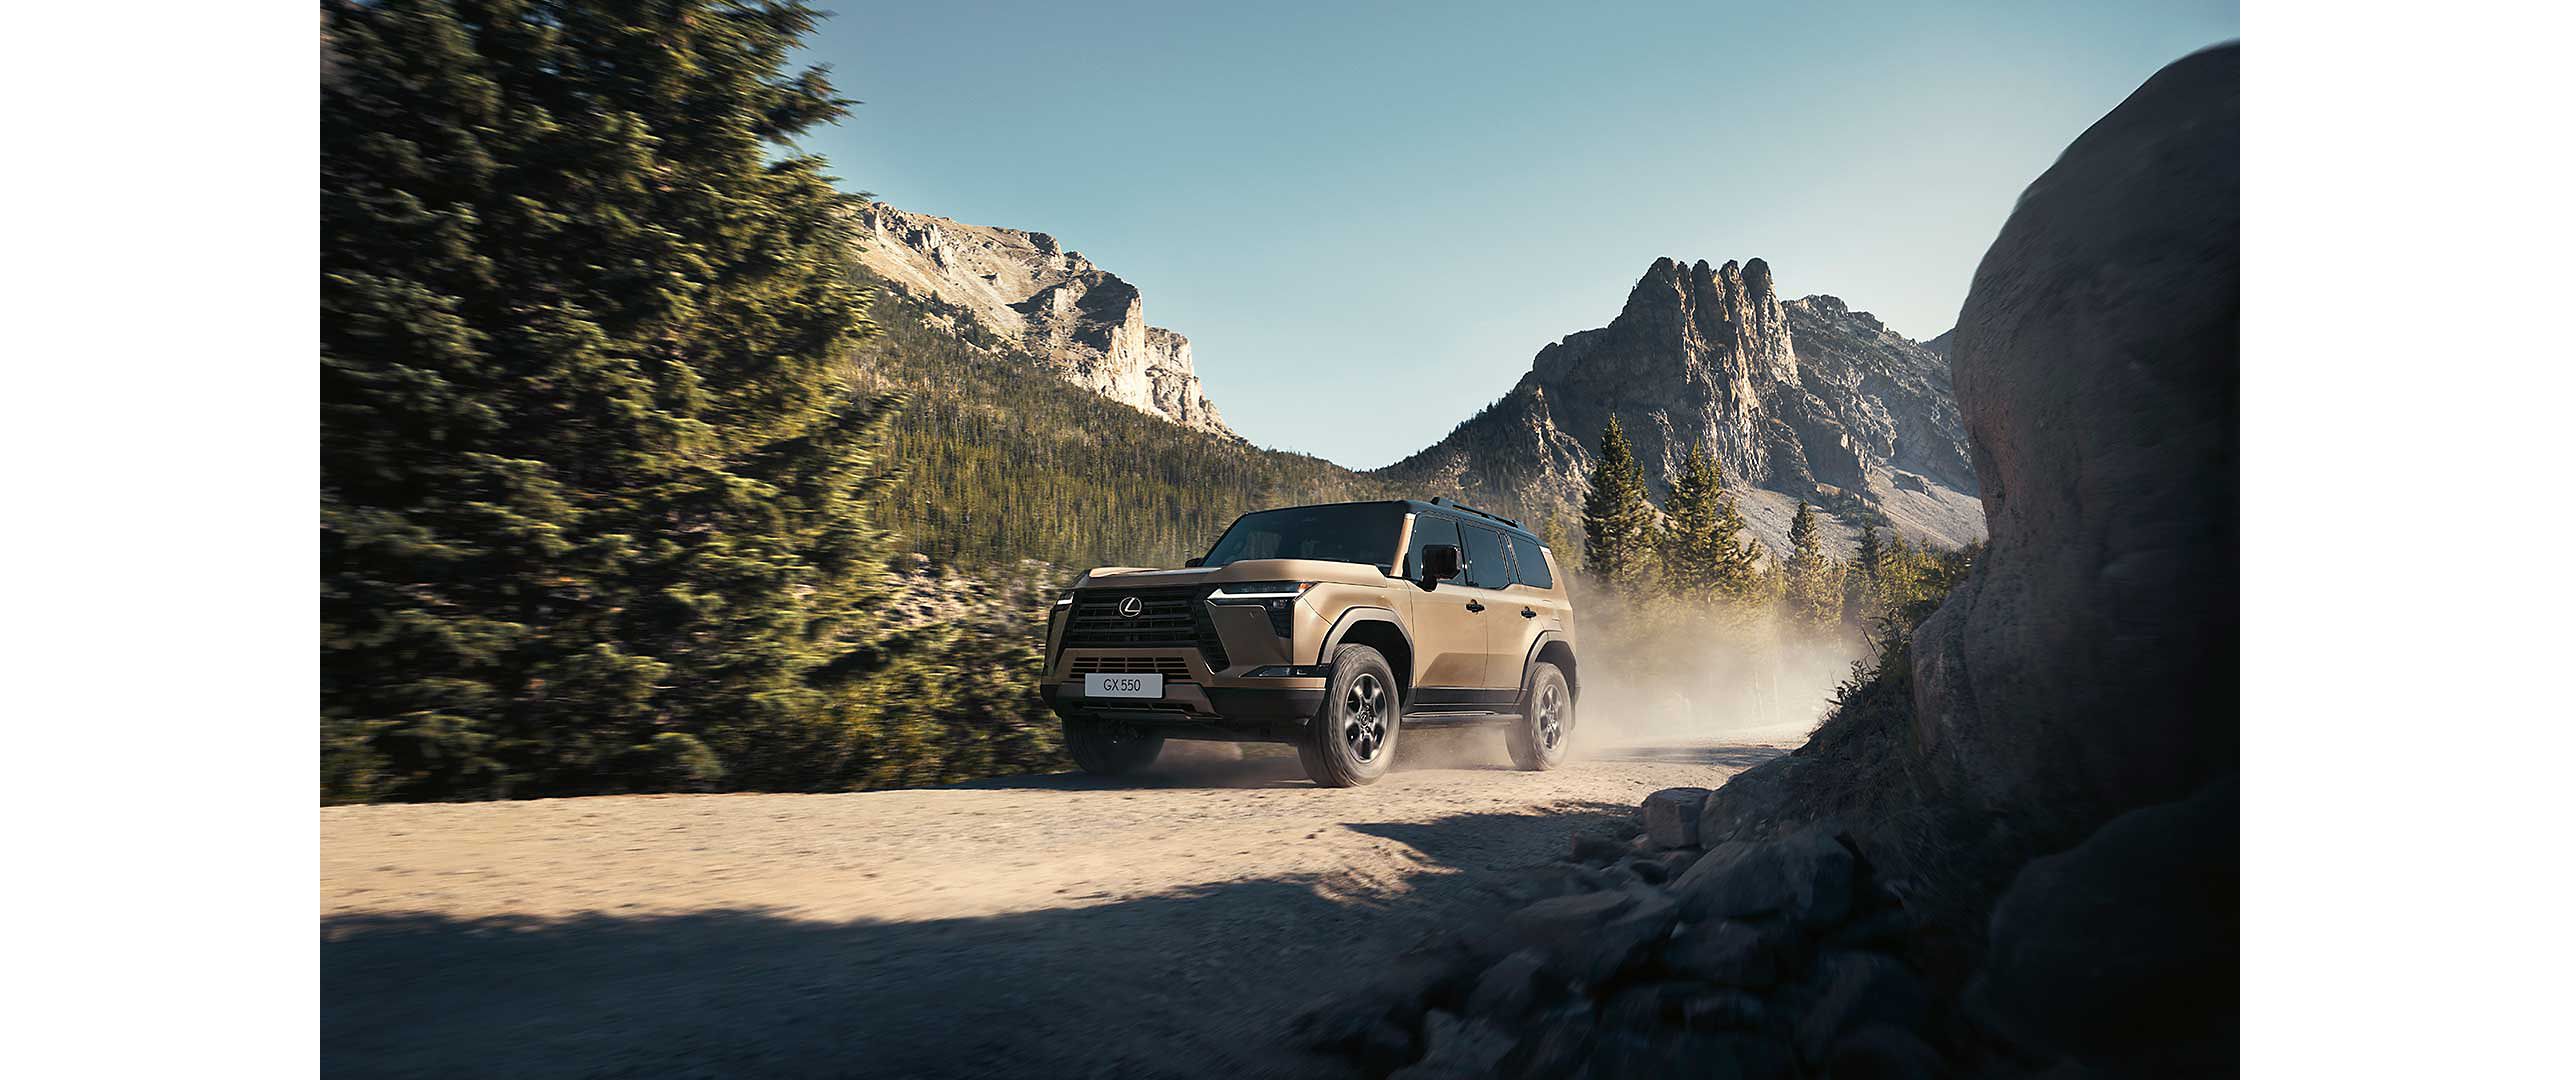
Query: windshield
(1352, 533)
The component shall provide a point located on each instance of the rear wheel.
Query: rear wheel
(1546, 724)
(1100, 750)
(1355, 733)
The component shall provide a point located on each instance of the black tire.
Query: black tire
(1102, 753)
(1538, 741)
(1355, 733)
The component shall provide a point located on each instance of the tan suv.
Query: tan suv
(1334, 627)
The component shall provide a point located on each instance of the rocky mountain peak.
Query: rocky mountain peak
(1055, 306)
(1798, 398)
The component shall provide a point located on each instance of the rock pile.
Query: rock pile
(1645, 955)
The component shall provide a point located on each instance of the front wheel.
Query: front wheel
(1538, 741)
(1102, 752)
(1355, 733)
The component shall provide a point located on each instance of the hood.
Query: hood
(1246, 570)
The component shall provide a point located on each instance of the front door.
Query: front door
(1448, 620)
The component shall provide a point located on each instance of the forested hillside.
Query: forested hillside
(1001, 460)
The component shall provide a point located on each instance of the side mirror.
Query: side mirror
(1193, 561)
(1440, 563)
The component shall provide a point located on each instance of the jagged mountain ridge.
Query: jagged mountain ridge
(1799, 399)
(1030, 296)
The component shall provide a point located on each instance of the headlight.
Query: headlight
(1275, 598)
(1067, 599)
(1253, 592)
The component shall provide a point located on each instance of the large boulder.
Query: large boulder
(2090, 664)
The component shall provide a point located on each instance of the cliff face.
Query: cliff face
(1799, 399)
(1024, 293)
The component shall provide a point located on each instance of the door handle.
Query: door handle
(1527, 613)
(1474, 605)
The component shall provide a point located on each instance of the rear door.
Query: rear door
(1448, 621)
(1533, 600)
(1510, 621)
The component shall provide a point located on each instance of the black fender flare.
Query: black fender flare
(1354, 616)
(1538, 644)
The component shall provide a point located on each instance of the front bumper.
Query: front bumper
(1190, 710)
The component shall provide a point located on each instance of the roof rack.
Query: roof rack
(1442, 500)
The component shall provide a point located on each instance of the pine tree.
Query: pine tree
(1733, 560)
(1810, 581)
(593, 490)
(1703, 548)
(1861, 602)
(1687, 517)
(1618, 525)
(1898, 570)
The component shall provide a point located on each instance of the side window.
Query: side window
(1532, 563)
(1428, 529)
(1488, 558)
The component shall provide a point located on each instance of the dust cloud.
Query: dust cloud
(1650, 676)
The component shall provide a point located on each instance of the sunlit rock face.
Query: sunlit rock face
(1022, 293)
(1798, 398)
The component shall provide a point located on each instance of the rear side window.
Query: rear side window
(1428, 529)
(1532, 562)
(1488, 558)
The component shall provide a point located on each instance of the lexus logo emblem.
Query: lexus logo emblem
(1130, 607)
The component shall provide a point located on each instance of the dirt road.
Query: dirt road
(1032, 926)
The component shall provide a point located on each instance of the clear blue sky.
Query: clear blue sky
(1410, 200)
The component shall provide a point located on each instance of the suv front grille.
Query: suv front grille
(1168, 666)
(1174, 616)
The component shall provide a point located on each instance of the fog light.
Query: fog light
(1284, 671)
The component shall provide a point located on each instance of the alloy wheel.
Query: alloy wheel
(1364, 724)
(1550, 713)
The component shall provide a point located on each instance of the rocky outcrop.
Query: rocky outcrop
(1799, 399)
(2091, 663)
(1005, 290)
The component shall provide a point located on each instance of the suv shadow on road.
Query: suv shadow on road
(1198, 982)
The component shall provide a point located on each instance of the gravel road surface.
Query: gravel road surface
(1029, 926)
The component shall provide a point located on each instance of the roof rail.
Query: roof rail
(1442, 500)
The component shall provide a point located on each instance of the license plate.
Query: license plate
(1124, 686)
